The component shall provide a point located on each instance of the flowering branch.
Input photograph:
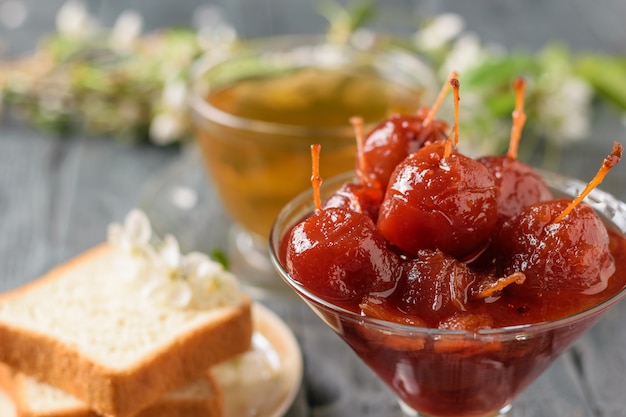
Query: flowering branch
(562, 85)
(111, 82)
(119, 83)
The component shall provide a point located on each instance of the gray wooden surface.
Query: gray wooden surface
(57, 195)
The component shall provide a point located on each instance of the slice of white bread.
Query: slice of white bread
(30, 398)
(81, 330)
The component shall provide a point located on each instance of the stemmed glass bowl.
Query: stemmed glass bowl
(258, 106)
(452, 373)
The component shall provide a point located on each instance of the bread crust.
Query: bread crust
(14, 385)
(125, 392)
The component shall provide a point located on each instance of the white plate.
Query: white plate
(266, 395)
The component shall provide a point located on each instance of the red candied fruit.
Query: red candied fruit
(437, 202)
(440, 199)
(397, 137)
(357, 197)
(434, 286)
(518, 185)
(361, 196)
(394, 139)
(571, 255)
(339, 255)
(561, 245)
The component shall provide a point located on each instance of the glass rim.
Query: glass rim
(206, 112)
(601, 198)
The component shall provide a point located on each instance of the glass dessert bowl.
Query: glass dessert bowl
(457, 373)
(258, 106)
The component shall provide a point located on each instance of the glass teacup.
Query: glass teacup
(259, 105)
(452, 373)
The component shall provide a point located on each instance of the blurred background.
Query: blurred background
(58, 191)
(573, 53)
(529, 24)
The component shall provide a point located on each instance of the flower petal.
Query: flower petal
(214, 291)
(163, 291)
(116, 236)
(192, 262)
(169, 252)
(137, 227)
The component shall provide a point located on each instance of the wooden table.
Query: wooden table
(57, 196)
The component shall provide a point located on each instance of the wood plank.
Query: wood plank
(26, 176)
(601, 359)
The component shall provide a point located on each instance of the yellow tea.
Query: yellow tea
(256, 153)
(314, 97)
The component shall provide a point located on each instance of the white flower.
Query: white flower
(220, 35)
(168, 126)
(164, 276)
(565, 111)
(184, 198)
(126, 31)
(169, 252)
(132, 242)
(212, 27)
(74, 20)
(162, 289)
(212, 285)
(208, 16)
(164, 280)
(174, 95)
(441, 30)
(134, 235)
(466, 53)
(363, 38)
(192, 280)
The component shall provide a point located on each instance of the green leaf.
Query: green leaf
(361, 12)
(607, 75)
(501, 105)
(499, 71)
(343, 21)
(220, 256)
